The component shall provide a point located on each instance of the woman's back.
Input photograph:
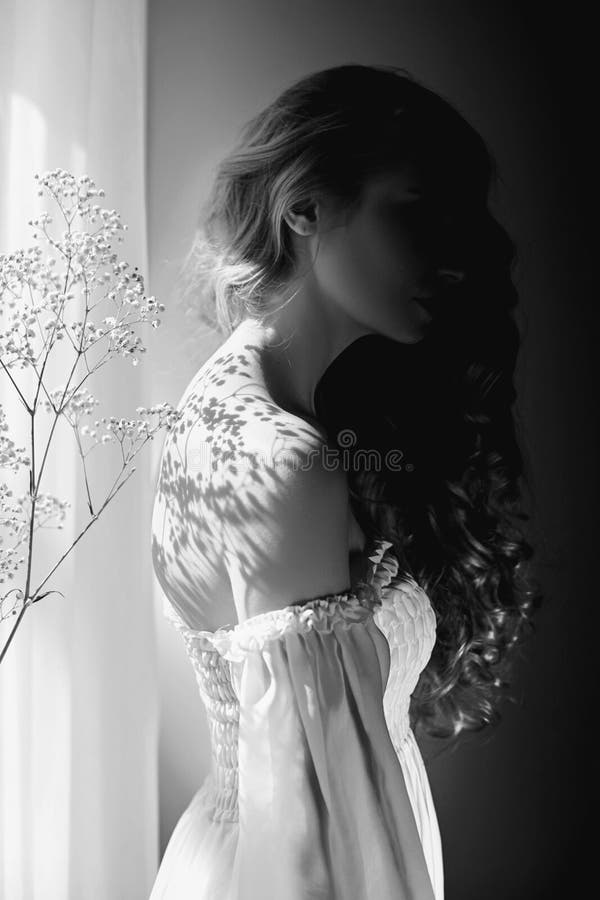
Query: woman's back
(227, 486)
(316, 786)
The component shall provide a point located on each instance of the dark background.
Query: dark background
(514, 805)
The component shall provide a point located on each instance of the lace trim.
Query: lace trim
(322, 614)
(385, 564)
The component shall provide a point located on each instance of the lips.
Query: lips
(428, 303)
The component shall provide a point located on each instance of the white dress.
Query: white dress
(317, 788)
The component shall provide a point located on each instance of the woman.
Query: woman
(334, 520)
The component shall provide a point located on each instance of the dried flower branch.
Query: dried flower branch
(42, 304)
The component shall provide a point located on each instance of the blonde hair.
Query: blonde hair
(323, 135)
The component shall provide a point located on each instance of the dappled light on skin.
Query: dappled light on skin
(206, 470)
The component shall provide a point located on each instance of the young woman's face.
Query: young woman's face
(377, 261)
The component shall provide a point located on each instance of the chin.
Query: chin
(408, 334)
(414, 338)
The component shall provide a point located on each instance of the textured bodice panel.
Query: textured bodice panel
(396, 607)
(408, 622)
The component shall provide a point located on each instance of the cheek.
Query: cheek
(371, 274)
(387, 254)
(372, 261)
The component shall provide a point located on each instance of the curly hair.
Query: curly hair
(454, 511)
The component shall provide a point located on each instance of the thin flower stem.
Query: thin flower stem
(12, 633)
(33, 486)
(49, 440)
(48, 397)
(16, 387)
(47, 354)
(78, 538)
(85, 476)
(56, 416)
(55, 567)
(32, 492)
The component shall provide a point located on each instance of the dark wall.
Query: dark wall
(512, 804)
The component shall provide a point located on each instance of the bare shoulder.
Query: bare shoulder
(255, 490)
(248, 445)
(230, 421)
(227, 404)
(275, 499)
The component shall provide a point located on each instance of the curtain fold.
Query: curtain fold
(78, 687)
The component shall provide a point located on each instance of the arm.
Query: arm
(284, 530)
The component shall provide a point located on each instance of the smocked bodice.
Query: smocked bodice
(398, 607)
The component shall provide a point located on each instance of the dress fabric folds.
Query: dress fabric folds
(317, 788)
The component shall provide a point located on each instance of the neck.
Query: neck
(299, 339)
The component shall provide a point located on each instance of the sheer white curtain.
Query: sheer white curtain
(78, 693)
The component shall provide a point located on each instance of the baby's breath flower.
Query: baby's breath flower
(11, 457)
(59, 292)
(10, 563)
(74, 405)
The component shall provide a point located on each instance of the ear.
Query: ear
(303, 218)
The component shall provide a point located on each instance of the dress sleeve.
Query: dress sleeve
(324, 812)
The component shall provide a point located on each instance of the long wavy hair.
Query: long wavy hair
(454, 509)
